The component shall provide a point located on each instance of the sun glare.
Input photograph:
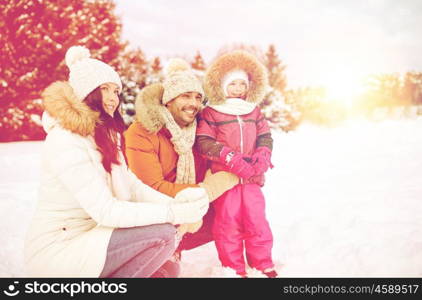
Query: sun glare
(343, 86)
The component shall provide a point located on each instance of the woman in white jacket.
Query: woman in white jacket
(94, 218)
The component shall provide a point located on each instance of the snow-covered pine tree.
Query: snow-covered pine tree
(198, 62)
(133, 69)
(412, 88)
(155, 71)
(279, 114)
(35, 37)
(136, 72)
(275, 107)
(276, 76)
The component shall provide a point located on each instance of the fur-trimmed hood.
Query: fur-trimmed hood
(63, 107)
(146, 106)
(258, 78)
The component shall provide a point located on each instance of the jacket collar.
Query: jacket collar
(146, 106)
(63, 108)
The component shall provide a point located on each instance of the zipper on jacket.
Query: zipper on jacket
(239, 120)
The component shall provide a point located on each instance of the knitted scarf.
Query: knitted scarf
(182, 139)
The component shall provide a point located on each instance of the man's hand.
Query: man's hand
(218, 183)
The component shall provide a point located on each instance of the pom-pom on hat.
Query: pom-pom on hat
(86, 73)
(179, 79)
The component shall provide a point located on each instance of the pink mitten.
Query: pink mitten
(236, 163)
(261, 160)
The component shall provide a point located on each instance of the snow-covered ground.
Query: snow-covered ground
(342, 202)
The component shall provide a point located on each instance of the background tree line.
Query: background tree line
(36, 35)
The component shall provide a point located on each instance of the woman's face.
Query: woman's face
(110, 97)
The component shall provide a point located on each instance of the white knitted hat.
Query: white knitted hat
(86, 74)
(179, 79)
(233, 75)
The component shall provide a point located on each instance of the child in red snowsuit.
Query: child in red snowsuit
(234, 135)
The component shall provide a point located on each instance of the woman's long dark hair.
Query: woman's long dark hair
(106, 130)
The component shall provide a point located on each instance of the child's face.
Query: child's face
(237, 89)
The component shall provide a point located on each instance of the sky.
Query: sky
(319, 41)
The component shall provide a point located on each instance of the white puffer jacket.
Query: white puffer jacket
(79, 202)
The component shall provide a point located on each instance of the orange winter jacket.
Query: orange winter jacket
(152, 158)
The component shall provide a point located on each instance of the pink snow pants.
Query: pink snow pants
(239, 225)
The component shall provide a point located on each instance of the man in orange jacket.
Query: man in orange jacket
(159, 145)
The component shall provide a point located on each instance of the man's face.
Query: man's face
(185, 107)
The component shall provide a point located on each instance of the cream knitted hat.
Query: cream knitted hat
(233, 75)
(179, 79)
(86, 73)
